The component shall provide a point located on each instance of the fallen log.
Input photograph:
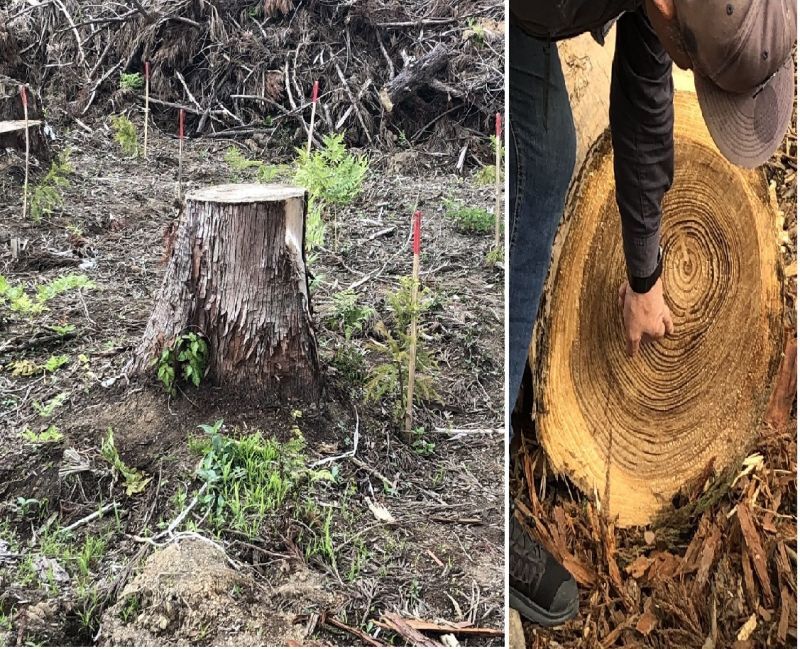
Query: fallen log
(414, 75)
(237, 276)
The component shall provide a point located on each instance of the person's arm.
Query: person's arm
(641, 116)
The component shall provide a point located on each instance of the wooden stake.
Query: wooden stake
(181, 118)
(314, 97)
(498, 130)
(412, 347)
(24, 94)
(146, 103)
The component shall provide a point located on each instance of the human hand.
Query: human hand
(645, 316)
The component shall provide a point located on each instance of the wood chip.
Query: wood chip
(649, 537)
(757, 555)
(647, 622)
(747, 628)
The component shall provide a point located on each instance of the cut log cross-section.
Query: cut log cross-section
(237, 275)
(636, 431)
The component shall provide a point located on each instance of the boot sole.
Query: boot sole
(535, 613)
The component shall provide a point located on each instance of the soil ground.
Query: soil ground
(442, 555)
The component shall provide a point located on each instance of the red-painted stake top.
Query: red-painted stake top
(498, 125)
(147, 69)
(417, 232)
(180, 123)
(24, 93)
(315, 92)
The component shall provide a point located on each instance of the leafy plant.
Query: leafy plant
(240, 164)
(187, 358)
(46, 410)
(333, 179)
(125, 135)
(348, 314)
(494, 256)
(54, 363)
(47, 195)
(131, 81)
(18, 301)
(50, 434)
(248, 479)
(470, 219)
(349, 360)
(135, 480)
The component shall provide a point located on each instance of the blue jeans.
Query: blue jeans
(542, 158)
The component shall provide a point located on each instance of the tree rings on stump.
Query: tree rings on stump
(237, 275)
(634, 431)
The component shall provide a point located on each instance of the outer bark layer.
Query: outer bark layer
(237, 275)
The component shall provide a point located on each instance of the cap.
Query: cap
(741, 53)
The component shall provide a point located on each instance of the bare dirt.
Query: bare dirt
(441, 558)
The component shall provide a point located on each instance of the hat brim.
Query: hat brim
(748, 128)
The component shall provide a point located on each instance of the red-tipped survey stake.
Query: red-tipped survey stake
(24, 95)
(412, 348)
(146, 103)
(314, 97)
(498, 131)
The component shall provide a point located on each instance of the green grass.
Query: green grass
(242, 167)
(470, 220)
(250, 478)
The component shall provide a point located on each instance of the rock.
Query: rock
(188, 594)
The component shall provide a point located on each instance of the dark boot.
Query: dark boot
(541, 589)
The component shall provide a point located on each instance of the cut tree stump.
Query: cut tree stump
(413, 76)
(12, 124)
(237, 275)
(635, 431)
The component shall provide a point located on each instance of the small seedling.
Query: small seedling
(125, 135)
(187, 359)
(49, 408)
(50, 434)
(135, 480)
(54, 363)
(348, 314)
(470, 219)
(47, 195)
(333, 179)
(131, 81)
(240, 165)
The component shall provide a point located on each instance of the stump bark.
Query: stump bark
(636, 431)
(237, 275)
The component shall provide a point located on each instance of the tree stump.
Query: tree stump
(12, 126)
(237, 275)
(637, 431)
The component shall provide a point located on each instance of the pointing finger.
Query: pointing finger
(668, 324)
(633, 346)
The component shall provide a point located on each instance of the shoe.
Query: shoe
(541, 588)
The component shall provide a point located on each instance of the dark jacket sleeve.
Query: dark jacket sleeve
(641, 116)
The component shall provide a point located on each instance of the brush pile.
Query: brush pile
(244, 67)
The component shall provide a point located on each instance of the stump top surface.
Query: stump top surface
(9, 126)
(637, 431)
(245, 193)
